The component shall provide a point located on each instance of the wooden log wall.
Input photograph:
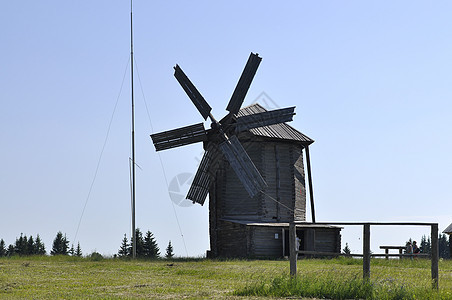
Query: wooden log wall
(266, 242)
(231, 239)
(233, 200)
(327, 240)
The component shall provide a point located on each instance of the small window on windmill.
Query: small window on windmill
(276, 236)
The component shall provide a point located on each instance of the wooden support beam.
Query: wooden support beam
(450, 246)
(311, 192)
(292, 248)
(283, 242)
(435, 255)
(278, 184)
(366, 251)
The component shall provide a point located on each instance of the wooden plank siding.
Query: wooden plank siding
(327, 240)
(235, 201)
(231, 239)
(241, 226)
(263, 242)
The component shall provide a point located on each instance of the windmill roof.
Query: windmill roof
(448, 230)
(277, 131)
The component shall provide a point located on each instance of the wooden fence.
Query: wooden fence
(366, 255)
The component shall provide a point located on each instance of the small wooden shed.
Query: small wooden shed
(241, 226)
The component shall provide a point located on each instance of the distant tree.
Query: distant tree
(20, 246)
(60, 245)
(2, 248)
(346, 250)
(169, 251)
(426, 245)
(39, 248)
(139, 244)
(71, 251)
(11, 250)
(151, 249)
(95, 256)
(78, 250)
(30, 246)
(124, 249)
(443, 246)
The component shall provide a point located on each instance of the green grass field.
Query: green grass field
(82, 278)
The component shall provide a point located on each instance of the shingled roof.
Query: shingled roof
(281, 131)
(448, 230)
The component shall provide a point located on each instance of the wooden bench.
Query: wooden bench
(387, 248)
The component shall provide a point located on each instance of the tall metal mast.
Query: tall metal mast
(134, 244)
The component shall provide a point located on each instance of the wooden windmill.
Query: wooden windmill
(253, 193)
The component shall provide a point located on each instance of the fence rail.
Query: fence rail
(434, 256)
(423, 255)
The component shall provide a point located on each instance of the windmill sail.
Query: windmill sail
(244, 83)
(204, 176)
(195, 96)
(179, 137)
(265, 118)
(216, 140)
(242, 165)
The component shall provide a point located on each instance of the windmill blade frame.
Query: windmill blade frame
(179, 137)
(264, 119)
(243, 85)
(203, 179)
(192, 92)
(243, 166)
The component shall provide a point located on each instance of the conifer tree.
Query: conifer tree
(2, 248)
(72, 250)
(20, 246)
(78, 250)
(346, 250)
(30, 246)
(124, 249)
(426, 245)
(169, 251)
(39, 247)
(443, 246)
(151, 249)
(139, 244)
(11, 250)
(60, 245)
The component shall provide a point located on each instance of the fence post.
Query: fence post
(435, 255)
(292, 249)
(366, 251)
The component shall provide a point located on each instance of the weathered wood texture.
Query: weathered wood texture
(233, 200)
(283, 200)
(366, 251)
(266, 242)
(435, 255)
(293, 249)
(328, 240)
(231, 239)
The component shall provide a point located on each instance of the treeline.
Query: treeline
(24, 246)
(443, 245)
(146, 246)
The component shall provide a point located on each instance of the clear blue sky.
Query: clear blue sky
(372, 85)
